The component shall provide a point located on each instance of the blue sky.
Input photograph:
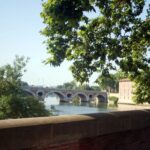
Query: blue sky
(20, 24)
(19, 34)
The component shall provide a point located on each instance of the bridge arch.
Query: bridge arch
(58, 93)
(40, 93)
(69, 95)
(83, 97)
(101, 98)
(30, 93)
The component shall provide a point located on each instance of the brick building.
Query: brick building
(125, 91)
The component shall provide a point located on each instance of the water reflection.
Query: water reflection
(53, 103)
(51, 99)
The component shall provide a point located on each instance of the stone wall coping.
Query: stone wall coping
(36, 121)
(35, 132)
(25, 122)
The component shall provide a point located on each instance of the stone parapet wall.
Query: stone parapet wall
(122, 130)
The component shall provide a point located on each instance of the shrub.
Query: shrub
(114, 99)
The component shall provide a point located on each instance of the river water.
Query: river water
(53, 103)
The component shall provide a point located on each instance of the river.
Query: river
(52, 102)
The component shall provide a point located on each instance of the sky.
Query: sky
(20, 25)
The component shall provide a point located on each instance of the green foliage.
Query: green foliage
(13, 101)
(76, 100)
(118, 37)
(73, 85)
(17, 106)
(142, 88)
(68, 86)
(114, 99)
(24, 84)
(10, 76)
(84, 87)
(120, 75)
(95, 88)
(110, 83)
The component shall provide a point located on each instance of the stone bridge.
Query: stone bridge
(66, 95)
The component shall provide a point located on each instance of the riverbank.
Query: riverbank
(124, 107)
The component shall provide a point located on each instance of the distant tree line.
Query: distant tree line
(108, 83)
(73, 85)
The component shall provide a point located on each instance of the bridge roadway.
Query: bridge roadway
(66, 95)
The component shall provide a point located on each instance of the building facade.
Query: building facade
(125, 91)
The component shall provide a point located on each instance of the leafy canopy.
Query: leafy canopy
(118, 37)
(14, 102)
(110, 83)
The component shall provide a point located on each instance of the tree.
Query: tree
(96, 88)
(85, 86)
(14, 103)
(142, 88)
(110, 83)
(118, 37)
(68, 86)
(73, 85)
(24, 84)
(119, 74)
